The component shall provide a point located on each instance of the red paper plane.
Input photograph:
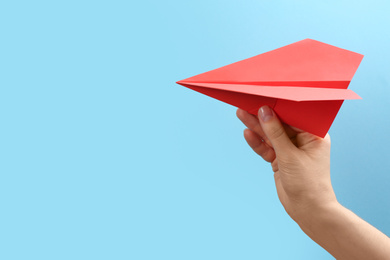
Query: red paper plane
(305, 83)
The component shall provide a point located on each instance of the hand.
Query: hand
(300, 161)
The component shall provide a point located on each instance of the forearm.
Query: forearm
(343, 234)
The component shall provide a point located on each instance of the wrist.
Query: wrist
(310, 205)
(318, 217)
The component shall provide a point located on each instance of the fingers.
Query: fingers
(267, 136)
(260, 147)
(255, 136)
(275, 131)
(252, 122)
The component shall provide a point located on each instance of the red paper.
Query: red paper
(305, 83)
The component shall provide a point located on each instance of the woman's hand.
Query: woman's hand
(300, 161)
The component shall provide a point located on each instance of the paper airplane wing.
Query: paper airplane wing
(304, 82)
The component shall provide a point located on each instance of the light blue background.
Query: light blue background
(103, 156)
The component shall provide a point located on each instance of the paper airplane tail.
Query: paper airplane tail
(315, 117)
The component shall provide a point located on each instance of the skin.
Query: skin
(301, 165)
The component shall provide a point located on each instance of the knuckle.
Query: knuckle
(275, 168)
(276, 132)
(327, 139)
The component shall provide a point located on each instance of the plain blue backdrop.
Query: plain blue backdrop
(103, 156)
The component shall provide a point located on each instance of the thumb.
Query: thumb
(274, 130)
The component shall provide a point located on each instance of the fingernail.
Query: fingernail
(265, 113)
